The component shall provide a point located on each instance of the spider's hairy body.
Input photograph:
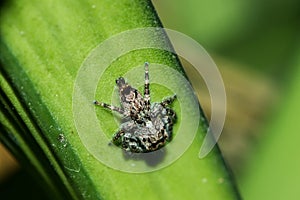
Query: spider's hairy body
(145, 127)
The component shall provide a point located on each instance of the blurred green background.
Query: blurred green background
(256, 46)
(257, 49)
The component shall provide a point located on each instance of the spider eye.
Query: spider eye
(120, 81)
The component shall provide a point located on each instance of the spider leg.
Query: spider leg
(146, 87)
(117, 138)
(168, 100)
(171, 113)
(110, 107)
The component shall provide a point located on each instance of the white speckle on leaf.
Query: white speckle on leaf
(204, 180)
(61, 138)
(73, 170)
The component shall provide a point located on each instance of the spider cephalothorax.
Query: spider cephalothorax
(145, 127)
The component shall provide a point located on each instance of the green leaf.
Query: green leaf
(273, 169)
(43, 45)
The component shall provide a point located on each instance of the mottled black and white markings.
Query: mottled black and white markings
(145, 126)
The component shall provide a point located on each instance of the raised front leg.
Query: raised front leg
(146, 88)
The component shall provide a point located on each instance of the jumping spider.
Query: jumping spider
(146, 126)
